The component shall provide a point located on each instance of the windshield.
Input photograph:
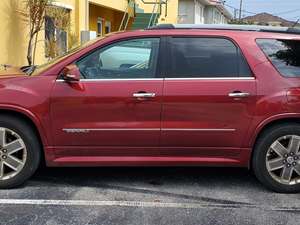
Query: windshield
(41, 68)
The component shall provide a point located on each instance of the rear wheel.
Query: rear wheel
(276, 159)
(19, 151)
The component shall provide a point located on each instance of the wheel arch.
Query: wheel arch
(270, 122)
(28, 118)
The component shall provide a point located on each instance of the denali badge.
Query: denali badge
(76, 130)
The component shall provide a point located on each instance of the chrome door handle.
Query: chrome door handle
(239, 94)
(144, 95)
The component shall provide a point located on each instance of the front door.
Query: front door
(117, 103)
(209, 97)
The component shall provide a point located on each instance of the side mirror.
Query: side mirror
(71, 73)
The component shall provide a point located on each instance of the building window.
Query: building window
(107, 27)
(99, 27)
(56, 24)
(49, 28)
(202, 14)
(198, 13)
(56, 39)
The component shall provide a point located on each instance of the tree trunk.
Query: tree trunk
(29, 50)
(34, 48)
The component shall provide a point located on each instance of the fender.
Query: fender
(269, 120)
(31, 116)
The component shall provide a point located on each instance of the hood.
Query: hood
(11, 72)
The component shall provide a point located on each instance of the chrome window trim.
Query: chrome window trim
(161, 79)
(98, 80)
(213, 78)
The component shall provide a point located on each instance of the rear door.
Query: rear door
(209, 97)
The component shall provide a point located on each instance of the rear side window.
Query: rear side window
(206, 58)
(284, 54)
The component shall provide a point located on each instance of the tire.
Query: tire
(263, 151)
(14, 127)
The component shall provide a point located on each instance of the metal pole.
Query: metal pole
(152, 15)
(235, 14)
(123, 19)
(241, 6)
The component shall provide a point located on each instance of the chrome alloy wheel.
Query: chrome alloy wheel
(283, 160)
(13, 153)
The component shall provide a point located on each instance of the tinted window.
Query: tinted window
(206, 57)
(284, 54)
(127, 59)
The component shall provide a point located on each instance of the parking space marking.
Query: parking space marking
(49, 202)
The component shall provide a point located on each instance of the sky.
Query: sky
(287, 9)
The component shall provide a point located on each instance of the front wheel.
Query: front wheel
(19, 151)
(276, 158)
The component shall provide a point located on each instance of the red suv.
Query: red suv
(166, 96)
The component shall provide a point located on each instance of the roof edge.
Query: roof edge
(288, 30)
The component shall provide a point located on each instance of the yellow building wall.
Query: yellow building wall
(14, 24)
(172, 16)
(14, 29)
(14, 34)
(81, 12)
(120, 5)
(83, 6)
(107, 14)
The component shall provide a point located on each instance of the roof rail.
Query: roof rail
(288, 30)
(162, 26)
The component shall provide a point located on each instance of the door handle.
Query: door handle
(238, 94)
(144, 95)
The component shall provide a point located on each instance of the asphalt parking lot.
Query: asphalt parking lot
(146, 196)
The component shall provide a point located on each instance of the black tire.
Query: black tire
(33, 146)
(263, 143)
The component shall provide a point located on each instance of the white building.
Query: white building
(202, 12)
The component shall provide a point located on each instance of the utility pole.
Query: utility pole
(235, 13)
(241, 6)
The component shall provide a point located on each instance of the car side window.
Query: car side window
(130, 59)
(206, 58)
(284, 54)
